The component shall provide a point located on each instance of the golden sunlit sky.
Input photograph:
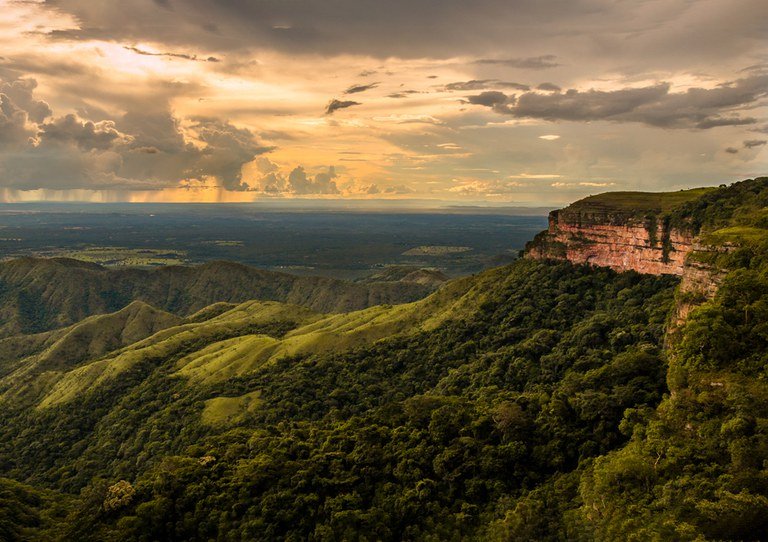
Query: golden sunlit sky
(490, 102)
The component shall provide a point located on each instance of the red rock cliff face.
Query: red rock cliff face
(606, 240)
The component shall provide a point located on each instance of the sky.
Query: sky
(490, 102)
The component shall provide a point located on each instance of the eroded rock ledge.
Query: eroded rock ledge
(640, 244)
(632, 232)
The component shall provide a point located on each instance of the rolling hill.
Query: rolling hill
(42, 294)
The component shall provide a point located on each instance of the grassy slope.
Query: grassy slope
(24, 360)
(637, 202)
(232, 343)
(50, 379)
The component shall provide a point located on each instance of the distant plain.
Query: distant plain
(341, 243)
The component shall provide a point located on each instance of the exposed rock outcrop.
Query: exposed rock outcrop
(699, 282)
(633, 232)
(621, 243)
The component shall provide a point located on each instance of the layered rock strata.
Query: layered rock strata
(625, 242)
(621, 243)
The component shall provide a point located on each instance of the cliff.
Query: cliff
(621, 230)
(636, 244)
(695, 234)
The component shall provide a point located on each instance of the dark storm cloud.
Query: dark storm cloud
(144, 148)
(227, 149)
(354, 89)
(715, 122)
(183, 56)
(542, 62)
(752, 143)
(335, 105)
(396, 27)
(653, 105)
(480, 84)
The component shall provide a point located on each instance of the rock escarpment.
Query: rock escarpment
(613, 240)
(633, 231)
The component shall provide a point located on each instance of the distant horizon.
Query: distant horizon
(106, 197)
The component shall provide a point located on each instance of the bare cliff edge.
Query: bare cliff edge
(649, 233)
(621, 230)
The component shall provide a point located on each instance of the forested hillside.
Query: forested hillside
(42, 294)
(536, 401)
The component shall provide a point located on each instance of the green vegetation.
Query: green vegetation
(40, 295)
(222, 411)
(406, 422)
(121, 256)
(638, 203)
(426, 250)
(531, 402)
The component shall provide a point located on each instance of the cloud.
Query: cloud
(654, 105)
(409, 118)
(297, 182)
(731, 120)
(496, 100)
(402, 94)
(490, 188)
(584, 183)
(172, 55)
(752, 143)
(549, 87)
(542, 62)
(480, 84)
(14, 129)
(334, 105)
(20, 92)
(365, 27)
(549, 137)
(145, 148)
(354, 89)
(731, 150)
(323, 183)
(227, 148)
(399, 189)
(86, 135)
(638, 37)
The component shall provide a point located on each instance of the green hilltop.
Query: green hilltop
(637, 202)
(536, 401)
